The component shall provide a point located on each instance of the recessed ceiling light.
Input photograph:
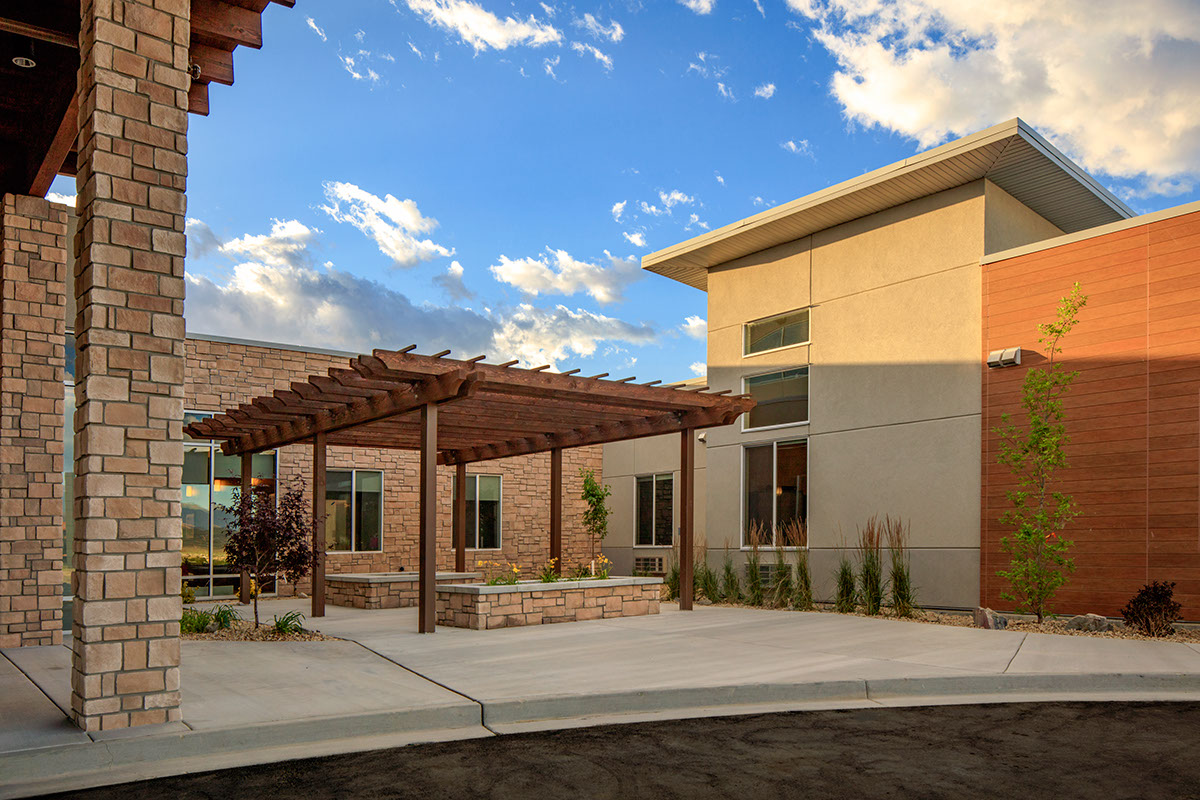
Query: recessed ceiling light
(25, 60)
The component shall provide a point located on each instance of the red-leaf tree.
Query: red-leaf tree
(268, 538)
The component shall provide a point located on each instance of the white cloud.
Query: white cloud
(416, 50)
(618, 209)
(62, 199)
(551, 11)
(393, 224)
(1105, 81)
(584, 49)
(799, 147)
(360, 35)
(694, 221)
(637, 239)
(675, 198)
(286, 245)
(550, 64)
(695, 327)
(201, 240)
(766, 91)
(653, 211)
(613, 31)
(760, 8)
(481, 28)
(725, 91)
(451, 282)
(539, 336)
(720, 180)
(388, 57)
(699, 6)
(316, 29)
(556, 272)
(758, 201)
(699, 368)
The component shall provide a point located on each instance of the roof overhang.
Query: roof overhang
(1012, 155)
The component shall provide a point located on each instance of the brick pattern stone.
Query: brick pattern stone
(32, 310)
(566, 604)
(129, 287)
(356, 594)
(221, 374)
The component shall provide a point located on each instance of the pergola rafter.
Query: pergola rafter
(457, 412)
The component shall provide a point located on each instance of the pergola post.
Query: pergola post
(247, 481)
(460, 517)
(427, 579)
(687, 494)
(556, 508)
(318, 537)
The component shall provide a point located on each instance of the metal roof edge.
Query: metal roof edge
(1071, 168)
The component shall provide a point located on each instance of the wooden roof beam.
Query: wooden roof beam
(226, 26)
(60, 148)
(216, 65)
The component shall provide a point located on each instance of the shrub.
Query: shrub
(188, 594)
(870, 565)
(1033, 454)
(781, 581)
(291, 622)
(754, 583)
(802, 593)
(580, 572)
(672, 581)
(904, 594)
(731, 585)
(225, 615)
(706, 580)
(1152, 610)
(844, 595)
(195, 620)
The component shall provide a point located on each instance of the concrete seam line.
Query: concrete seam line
(1016, 652)
(65, 712)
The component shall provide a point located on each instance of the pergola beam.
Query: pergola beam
(225, 25)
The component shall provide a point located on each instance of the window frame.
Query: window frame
(746, 326)
(499, 517)
(808, 416)
(353, 517)
(654, 476)
(774, 445)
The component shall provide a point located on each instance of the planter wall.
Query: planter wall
(383, 589)
(484, 607)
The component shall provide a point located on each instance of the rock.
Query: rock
(986, 618)
(1088, 622)
(212, 627)
(301, 595)
(703, 601)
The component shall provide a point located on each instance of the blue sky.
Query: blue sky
(449, 173)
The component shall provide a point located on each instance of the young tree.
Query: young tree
(268, 539)
(1034, 453)
(595, 517)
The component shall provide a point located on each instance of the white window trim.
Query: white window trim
(654, 510)
(774, 445)
(354, 522)
(499, 520)
(800, 423)
(805, 343)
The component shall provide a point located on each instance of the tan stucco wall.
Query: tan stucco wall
(1010, 223)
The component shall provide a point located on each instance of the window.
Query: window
(655, 511)
(773, 333)
(776, 501)
(353, 510)
(483, 511)
(782, 399)
(209, 480)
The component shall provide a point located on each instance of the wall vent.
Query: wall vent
(648, 565)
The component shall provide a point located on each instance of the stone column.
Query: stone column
(33, 267)
(133, 90)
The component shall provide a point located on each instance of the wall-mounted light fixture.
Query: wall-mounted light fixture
(1008, 357)
(25, 59)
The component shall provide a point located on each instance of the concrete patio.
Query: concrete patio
(383, 685)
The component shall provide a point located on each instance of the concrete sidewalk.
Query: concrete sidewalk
(383, 685)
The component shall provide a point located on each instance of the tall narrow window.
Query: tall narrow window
(655, 511)
(484, 496)
(782, 398)
(776, 495)
(353, 510)
(773, 333)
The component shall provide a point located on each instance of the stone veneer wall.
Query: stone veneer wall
(129, 286)
(560, 604)
(32, 322)
(382, 594)
(221, 374)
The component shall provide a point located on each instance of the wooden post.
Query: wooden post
(460, 518)
(556, 508)
(247, 488)
(427, 579)
(687, 477)
(318, 513)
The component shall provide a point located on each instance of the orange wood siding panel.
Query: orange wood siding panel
(1133, 412)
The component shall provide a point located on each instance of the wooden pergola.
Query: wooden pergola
(460, 412)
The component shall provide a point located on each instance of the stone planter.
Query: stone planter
(483, 607)
(383, 589)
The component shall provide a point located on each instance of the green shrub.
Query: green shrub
(1152, 610)
(707, 583)
(844, 586)
(188, 594)
(549, 571)
(754, 583)
(781, 581)
(731, 586)
(802, 594)
(672, 581)
(195, 620)
(904, 594)
(225, 615)
(291, 622)
(870, 566)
